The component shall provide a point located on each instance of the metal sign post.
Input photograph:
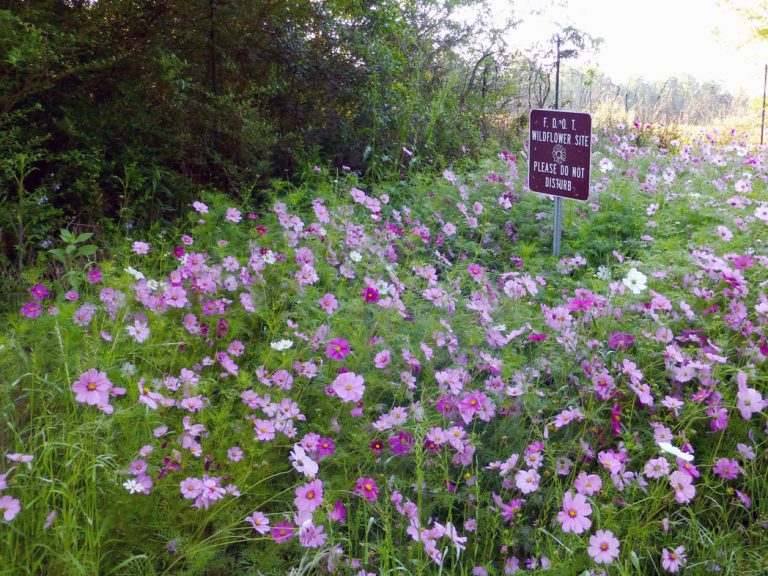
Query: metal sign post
(557, 229)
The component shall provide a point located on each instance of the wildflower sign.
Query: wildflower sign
(560, 149)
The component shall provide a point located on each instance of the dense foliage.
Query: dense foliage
(117, 112)
(399, 379)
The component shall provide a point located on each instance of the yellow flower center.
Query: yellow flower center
(604, 546)
(572, 513)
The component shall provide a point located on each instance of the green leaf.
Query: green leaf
(87, 250)
(67, 236)
(58, 254)
(84, 237)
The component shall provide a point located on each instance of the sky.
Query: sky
(654, 39)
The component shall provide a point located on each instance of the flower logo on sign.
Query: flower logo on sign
(558, 153)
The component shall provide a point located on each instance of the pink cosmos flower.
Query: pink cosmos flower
(191, 488)
(10, 507)
(382, 359)
(349, 387)
(603, 547)
(724, 233)
(366, 488)
(140, 248)
(233, 215)
(311, 536)
(475, 271)
(235, 454)
(337, 349)
(175, 297)
(620, 340)
(264, 429)
(282, 532)
(657, 467)
(574, 515)
(726, 469)
(682, 484)
(588, 484)
(148, 397)
(309, 497)
(92, 388)
(329, 303)
(527, 481)
(18, 457)
(672, 560)
(749, 400)
(339, 512)
(259, 522)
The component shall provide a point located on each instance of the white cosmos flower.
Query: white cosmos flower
(303, 463)
(135, 273)
(355, 256)
(281, 345)
(270, 257)
(667, 447)
(636, 281)
(606, 165)
(132, 486)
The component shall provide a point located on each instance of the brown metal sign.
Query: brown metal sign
(560, 149)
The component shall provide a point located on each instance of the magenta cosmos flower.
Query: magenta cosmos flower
(92, 388)
(349, 387)
(366, 488)
(337, 349)
(603, 547)
(31, 309)
(39, 292)
(370, 294)
(282, 532)
(574, 515)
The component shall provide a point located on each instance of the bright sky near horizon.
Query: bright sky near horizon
(653, 39)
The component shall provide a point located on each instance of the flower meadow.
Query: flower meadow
(400, 379)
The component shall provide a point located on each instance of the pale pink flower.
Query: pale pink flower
(574, 515)
(10, 507)
(603, 547)
(682, 484)
(588, 484)
(527, 481)
(672, 560)
(349, 387)
(259, 522)
(140, 247)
